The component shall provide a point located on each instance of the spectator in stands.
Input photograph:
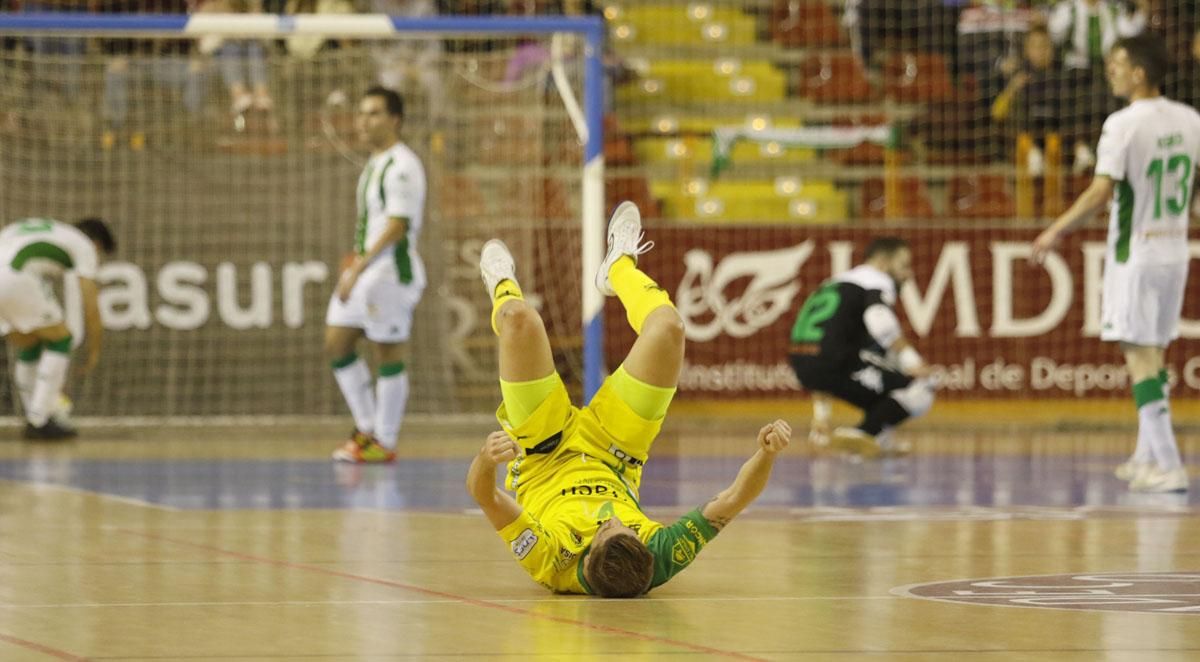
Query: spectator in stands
(1087, 29)
(1183, 83)
(163, 63)
(243, 62)
(403, 62)
(66, 81)
(1034, 96)
(306, 46)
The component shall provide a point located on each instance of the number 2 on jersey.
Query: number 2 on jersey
(819, 308)
(1178, 204)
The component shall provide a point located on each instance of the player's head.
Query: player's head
(380, 113)
(1039, 49)
(1137, 65)
(892, 256)
(97, 230)
(619, 564)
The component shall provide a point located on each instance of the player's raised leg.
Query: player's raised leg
(535, 399)
(657, 355)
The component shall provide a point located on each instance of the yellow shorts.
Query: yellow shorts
(610, 428)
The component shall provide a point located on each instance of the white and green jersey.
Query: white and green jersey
(1150, 150)
(47, 248)
(392, 185)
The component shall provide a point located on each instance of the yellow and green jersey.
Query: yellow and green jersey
(583, 466)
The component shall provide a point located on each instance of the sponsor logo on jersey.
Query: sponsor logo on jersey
(683, 552)
(524, 544)
(625, 457)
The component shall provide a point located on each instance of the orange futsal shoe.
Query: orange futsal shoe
(362, 448)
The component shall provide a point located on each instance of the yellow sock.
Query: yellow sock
(506, 290)
(638, 293)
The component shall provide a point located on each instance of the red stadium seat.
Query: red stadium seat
(619, 189)
(917, 78)
(872, 203)
(834, 78)
(805, 23)
(981, 196)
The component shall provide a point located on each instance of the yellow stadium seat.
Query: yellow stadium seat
(674, 25)
(700, 81)
(817, 202)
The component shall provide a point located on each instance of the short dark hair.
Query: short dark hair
(885, 246)
(1038, 29)
(1150, 53)
(391, 99)
(622, 567)
(97, 230)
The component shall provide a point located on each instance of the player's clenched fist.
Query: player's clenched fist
(499, 448)
(774, 437)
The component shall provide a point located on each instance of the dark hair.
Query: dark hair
(391, 99)
(97, 230)
(1150, 54)
(1038, 29)
(622, 567)
(885, 246)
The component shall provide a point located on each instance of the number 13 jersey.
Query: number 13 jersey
(1150, 150)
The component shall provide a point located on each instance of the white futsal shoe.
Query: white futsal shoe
(496, 265)
(1130, 469)
(624, 238)
(854, 441)
(1156, 481)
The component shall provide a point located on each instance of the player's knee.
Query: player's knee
(518, 317)
(337, 348)
(667, 326)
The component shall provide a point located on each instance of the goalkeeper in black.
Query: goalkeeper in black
(847, 343)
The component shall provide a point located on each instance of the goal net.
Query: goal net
(223, 151)
(779, 137)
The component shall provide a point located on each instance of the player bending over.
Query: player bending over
(34, 251)
(1148, 155)
(847, 343)
(576, 525)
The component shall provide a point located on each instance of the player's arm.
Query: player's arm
(1092, 200)
(752, 477)
(93, 327)
(883, 325)
(500, 508)
(397, 228)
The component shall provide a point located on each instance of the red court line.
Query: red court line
(607, 629)
(34, 646)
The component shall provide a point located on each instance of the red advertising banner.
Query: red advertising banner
(994, 324)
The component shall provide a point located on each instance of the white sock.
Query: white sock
(354, 378)
(51, 373)
(24, 377)
(1154, 422)
(392, 389)
(1142, 453)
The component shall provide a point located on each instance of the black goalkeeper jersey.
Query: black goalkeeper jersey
(832, 317)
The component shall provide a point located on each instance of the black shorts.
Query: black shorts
(859, 382)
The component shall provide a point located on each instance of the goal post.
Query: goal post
(231, 229)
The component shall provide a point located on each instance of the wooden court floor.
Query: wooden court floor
(245, 544)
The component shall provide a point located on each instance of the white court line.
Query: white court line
(312, 603)
(68, 489)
